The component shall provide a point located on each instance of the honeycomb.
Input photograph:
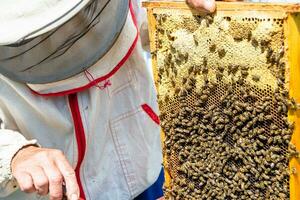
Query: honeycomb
(224, 105)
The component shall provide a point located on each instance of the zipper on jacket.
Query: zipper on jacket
(80, 137)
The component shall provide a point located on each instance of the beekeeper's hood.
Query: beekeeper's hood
(43, 41)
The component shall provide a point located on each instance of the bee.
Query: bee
(191, 186)
(287, 137)
(154, 53)
(209, 19)
(184, 80)
(262, 137)
(293, 105)
(219, 75)
(178, 61)
(221, 53)
(280, 82)
(221, 69)
(269, 53)
(160, 30)
(275, 149)
(159, 43)
(204, 97)
(195, 40)
(255, 78)
(177, 90)
(174, 71)
(167, 99)
(186, 57)
(254, 42)
(212, 48)
(205, 68)
(191, 69)
(249, 108)
(170, 37)
(260, 131)
(253, 95)
(282, 66)
(173, 49)
(281, 52)
(173, 83)
(292, 147)
(244, 73)
(239, 123)
(293, 171)
(232, 129)
(291, 126)
(164, 18)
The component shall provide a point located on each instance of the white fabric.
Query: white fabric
(18, 18)
(123, 154)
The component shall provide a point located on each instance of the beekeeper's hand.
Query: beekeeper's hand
(44, 171)
(206, 5)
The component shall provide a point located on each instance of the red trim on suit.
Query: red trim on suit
(80, 137)
(151, 113)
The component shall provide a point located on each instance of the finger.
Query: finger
(55, 180)
(210, 5)
(69, 177)
(232, 0)
(25, 182)
(40, 180)
(207, 5)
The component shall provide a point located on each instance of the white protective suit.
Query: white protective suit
(104, 120)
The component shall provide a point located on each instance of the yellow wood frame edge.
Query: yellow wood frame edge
(152, 23)
(292, 34)
(230, 6)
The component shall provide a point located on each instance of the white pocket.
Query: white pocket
(137, 140)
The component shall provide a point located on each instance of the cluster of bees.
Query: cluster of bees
(234, 149)
(226, 139)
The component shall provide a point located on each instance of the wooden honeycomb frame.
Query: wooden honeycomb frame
(291, 31)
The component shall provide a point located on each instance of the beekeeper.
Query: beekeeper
(77, 102)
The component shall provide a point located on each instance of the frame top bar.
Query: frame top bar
(227, 6)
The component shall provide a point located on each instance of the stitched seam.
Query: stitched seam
(125, 85)
(121, 149)
(131, 181)
(123, 165)
(85, 128)
(126, 115)
(121, 88)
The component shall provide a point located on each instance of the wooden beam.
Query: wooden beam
(230, 6)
